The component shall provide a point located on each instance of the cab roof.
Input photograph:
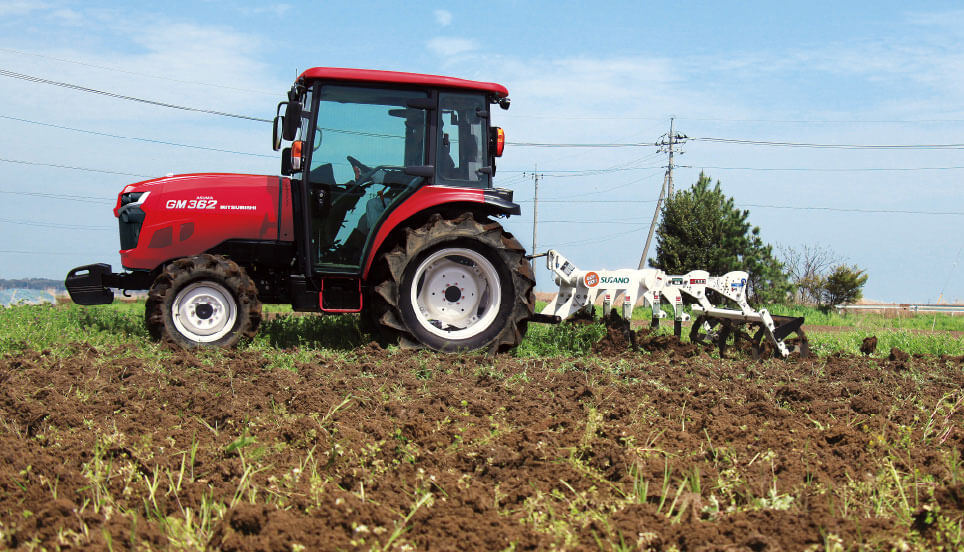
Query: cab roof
(397, 77)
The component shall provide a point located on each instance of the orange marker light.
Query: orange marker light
(296, 155)
(499, 141)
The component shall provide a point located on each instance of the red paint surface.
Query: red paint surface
(396, 77)
(244, 207)
(425, 198)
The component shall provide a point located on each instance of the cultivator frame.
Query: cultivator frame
(579, 290)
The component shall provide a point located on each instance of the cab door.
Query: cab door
(366, 143)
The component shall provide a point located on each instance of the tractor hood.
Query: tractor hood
(178, 185)
(183, 215)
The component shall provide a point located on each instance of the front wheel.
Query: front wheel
(203, 301)
(454, 284)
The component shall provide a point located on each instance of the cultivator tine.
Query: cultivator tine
(803, 346)
(786, 325)
(695, 335)
(725, 329)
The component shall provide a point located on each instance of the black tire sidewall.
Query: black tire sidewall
(479, 340)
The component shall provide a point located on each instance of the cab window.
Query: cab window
(462, 140)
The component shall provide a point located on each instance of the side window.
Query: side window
(462, 140)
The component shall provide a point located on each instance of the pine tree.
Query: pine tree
(701, 228)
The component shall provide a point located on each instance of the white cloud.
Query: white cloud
(277, 10)
(20, 7)
(443, 17)
(68, 17)
(448, 46)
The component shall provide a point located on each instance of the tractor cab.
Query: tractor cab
(365, 141)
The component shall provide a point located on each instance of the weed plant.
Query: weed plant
(56, 327)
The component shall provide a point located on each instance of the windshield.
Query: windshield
(371, 125)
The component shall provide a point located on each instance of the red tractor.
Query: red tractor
(386, 208)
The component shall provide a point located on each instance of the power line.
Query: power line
(126, 72)
(634, 222)
(55, 225)
(619, 167)
(73, 168)
(609, 237)
(66, 197)
(848, 169)
(846, 210)
(43, 252)
(725, 120)
(29, 78)
(825, 121)
(588, 200)
(741, 141)
(592, 172)
(575, 145)
(149, 140)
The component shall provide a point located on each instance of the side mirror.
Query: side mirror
(291, 120)
(286, 162)
(276, 132)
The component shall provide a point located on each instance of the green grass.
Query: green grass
(873, 321)
(825, 343)
(39, 327)
(896, 320)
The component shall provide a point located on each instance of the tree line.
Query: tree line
(703, 229)
(32, 283)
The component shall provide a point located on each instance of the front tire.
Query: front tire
(203, 301)
(454, 284)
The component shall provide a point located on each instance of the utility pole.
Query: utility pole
(535, 214)
(666, 143)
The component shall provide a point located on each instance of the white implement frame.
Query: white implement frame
(579, 290)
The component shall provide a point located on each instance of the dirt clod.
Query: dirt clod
(896, 355)
(657, 449)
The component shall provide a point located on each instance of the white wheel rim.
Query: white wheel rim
(204, 312)
(456, 293)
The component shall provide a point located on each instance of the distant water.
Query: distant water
(15, 296)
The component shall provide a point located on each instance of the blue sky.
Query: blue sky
(815, 72)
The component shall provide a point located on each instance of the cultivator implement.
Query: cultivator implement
(579, 290)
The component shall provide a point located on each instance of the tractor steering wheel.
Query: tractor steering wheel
(366, 175)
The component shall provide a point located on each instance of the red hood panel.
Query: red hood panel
(191, 213)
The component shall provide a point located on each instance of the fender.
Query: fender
(428, 197)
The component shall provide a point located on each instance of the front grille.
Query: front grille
(130, 219)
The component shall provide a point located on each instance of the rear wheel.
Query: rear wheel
(203, 301)
(454, 284)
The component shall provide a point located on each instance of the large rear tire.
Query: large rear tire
(453, 285)
(203, 301)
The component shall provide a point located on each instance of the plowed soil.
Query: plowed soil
(658, 449)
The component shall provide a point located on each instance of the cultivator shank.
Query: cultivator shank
(579, 290)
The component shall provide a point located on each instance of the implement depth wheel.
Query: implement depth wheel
(203, 301)
(453, 284)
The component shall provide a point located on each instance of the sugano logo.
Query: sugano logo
(614, 280)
